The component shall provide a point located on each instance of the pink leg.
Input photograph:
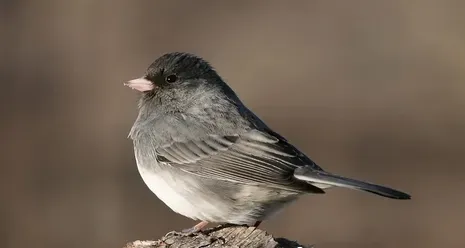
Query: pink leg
(196, 228)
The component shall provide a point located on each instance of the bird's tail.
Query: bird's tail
(325, 178)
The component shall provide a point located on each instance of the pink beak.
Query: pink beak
(140, 84)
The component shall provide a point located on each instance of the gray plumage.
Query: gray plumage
(208, 157)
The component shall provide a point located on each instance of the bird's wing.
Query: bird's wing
(256, 157)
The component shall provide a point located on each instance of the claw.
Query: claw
(189, 231)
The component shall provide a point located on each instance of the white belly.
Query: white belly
(188, 195)
(158, 185)
(180, 195)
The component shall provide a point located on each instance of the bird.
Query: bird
(208, 157)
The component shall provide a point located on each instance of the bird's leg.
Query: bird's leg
(195, 228)
(189, 231)
(257, 223)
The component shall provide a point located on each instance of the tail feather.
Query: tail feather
(325, 178)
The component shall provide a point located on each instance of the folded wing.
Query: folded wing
(252, 158)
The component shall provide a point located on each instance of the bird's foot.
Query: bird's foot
(195, 229)
(190, 231)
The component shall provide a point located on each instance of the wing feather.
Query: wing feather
(254, 158)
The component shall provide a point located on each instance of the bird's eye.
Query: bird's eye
(171, 78)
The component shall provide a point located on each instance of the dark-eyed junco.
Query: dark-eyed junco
(209, 158)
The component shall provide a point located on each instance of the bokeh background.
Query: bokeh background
(369, 89)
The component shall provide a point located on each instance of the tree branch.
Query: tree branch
(220, 236)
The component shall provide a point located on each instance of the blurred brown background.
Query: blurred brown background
(369, 89)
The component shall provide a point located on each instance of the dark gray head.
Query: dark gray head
(184, 98)
(174, 71)
(176, 81)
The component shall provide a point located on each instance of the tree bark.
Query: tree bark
(220, 236)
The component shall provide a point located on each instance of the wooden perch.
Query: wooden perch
(220, 236)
